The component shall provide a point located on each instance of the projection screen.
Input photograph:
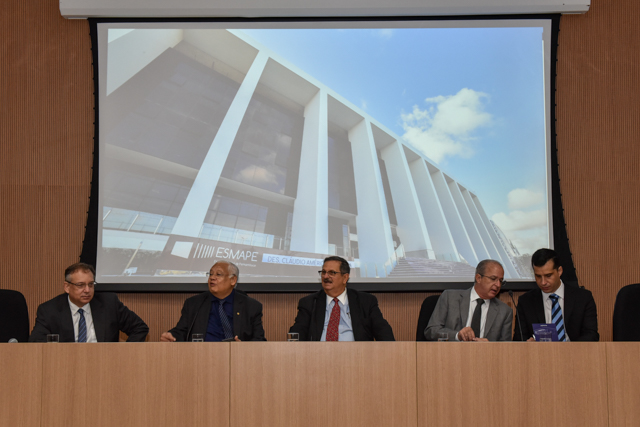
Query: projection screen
(412, 148)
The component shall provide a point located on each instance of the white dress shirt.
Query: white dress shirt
(345, 328)
(484, 309)
(75, 316)
(547, 303)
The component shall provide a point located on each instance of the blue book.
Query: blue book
(545, 327)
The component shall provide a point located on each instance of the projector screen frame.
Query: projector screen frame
(561, 244)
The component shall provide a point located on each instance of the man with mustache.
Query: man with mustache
(473, 314)
(336, 313)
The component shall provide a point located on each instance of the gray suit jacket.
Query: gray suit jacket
(452, 311)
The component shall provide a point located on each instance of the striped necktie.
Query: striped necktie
(82, 327)
(556, 317)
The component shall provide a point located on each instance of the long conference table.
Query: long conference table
(320, 384)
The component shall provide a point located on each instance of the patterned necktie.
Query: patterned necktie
(556, 317)
(228, 333)
(477, 315)
(82, 327)
(334, 321)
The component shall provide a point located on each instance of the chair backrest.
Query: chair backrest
(428, 305)
(626, 314)
(14, 316)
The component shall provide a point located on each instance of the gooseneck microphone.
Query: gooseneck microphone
(517, 317)
(313, 318)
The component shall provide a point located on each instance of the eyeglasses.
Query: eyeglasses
(218, 275)
(495, 279)
(82, 285)
(329, 273)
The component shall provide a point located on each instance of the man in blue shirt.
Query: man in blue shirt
(336, 313)
(222, 314)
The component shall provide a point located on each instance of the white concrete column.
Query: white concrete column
(480, 226)
(310, 226)
(509, 268)
(452, 216)
(432, 212)
(375, 244)
(411, 229)
(195, 207)
(467, 220)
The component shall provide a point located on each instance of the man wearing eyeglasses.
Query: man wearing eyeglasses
(224, 313)
(336, 313)
(473, 314)
(572, 310)
(81, 315)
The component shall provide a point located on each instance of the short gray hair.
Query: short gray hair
(482, 265)
(232, 269)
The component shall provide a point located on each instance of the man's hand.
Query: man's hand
(237, 339)
(532, 339)
(466, 334)
(167, 337)
(481, 340)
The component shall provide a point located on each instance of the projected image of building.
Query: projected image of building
(216, 148)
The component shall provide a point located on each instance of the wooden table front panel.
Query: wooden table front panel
(320, 384)
(623, 376)
(21, 388)
(519, 384)
(136, 384)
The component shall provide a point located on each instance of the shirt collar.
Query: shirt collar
(475, 296)
(74, 308)
(559, 292)
(342, 298)
(228, 298)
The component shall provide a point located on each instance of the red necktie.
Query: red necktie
(334, 321)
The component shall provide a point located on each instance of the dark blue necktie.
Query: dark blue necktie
(228, 333)
(82, 327)
(556, 317)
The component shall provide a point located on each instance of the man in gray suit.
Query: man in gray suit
(474, 314)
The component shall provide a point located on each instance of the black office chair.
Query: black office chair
(426, 310)
(14, 316)
(626, 314)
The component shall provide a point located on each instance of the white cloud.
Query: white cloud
(526, 230)
(521, 198)
(385, 33)
(444, 128)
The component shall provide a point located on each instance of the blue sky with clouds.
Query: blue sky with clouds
(472, 99)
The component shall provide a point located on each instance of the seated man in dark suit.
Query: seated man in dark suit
(80, 315)
(221, 314)
(336, 313)
(473, 314)
(570, 308)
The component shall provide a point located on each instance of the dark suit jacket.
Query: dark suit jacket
(109, 315)
(247, 319)
(366, 318)
(452, 312)
(580, 315)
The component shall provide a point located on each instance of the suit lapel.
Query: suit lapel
(321, 308)
(465, 300)
(568, 304)
(202, 315)
(97, 314)
(238, 311)
(492, 312)
(66, 321)
(357, 322)
(538, 305)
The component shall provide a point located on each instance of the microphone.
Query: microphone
(186, 338)
(12, 340)
(517, 317)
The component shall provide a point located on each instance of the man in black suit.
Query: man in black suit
(80, 315)
(222, 314)
(572, 309)
(339, 314)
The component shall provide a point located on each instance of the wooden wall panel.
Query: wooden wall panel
(598, 127)
(46, 145)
